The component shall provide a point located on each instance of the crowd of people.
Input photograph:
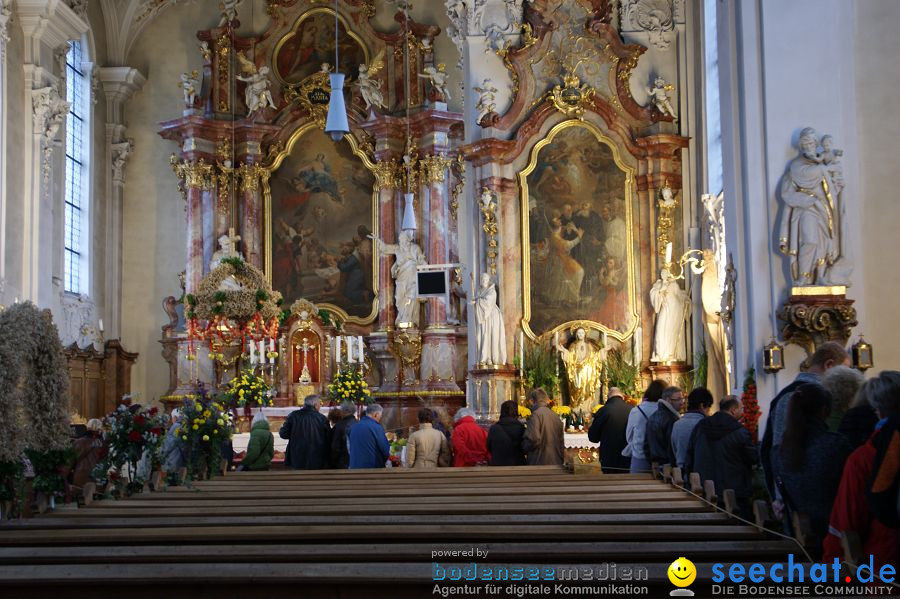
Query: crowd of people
(341, 440)
(830, 451)
(829, 454)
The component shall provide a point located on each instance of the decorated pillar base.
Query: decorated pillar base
(816, 314)
(439, 359)
(671, 372)
(184, 372)
(490, 387)
(406, 347)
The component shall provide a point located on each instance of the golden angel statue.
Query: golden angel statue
(369, 87)
(584, 369)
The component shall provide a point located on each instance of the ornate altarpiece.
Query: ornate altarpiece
(297, 202)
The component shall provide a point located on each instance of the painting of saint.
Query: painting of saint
(322, 215)
(303, 51)
(577, 233)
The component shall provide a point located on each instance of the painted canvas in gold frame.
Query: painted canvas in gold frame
(320, 206)
(310, 42)
(577, 240)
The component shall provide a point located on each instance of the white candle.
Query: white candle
(351, 359)
(521, 349)
(262, 352)
(337, 350)
(100, 325)
(362, 351)
(272, 350)
(252, 353)
(556, 339)
(668, 253)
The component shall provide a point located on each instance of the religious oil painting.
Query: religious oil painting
(577, 231)
(321, 212)
(310, 44)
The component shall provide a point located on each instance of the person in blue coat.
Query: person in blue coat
(369, 447)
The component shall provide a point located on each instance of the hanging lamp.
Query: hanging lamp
(336, 123)
(409, 212)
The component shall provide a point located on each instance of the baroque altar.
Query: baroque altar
(561, 195)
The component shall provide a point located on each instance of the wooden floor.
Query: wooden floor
(339, 533)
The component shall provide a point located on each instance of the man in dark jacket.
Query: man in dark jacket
(308, 435)
(504, 439)
(340, 454)
(659, 426)
(721, 451)
(608, 428)
(369, 447)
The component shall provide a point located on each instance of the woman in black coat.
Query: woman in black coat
(504, 440)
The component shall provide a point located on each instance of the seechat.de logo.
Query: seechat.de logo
(682, 573)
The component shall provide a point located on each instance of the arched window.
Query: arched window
(713, 112)
(76, 264)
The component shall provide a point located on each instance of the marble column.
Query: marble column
(250, 200)
(194, 265)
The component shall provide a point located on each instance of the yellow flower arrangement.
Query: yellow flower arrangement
(524, 412)
(562, 410)
(595, 409)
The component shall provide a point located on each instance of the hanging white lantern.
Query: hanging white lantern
(336, 124)
(409, 213)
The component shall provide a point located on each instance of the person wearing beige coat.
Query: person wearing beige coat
(427, 447)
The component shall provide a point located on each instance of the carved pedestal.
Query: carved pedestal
(814, 315)
(671, 372)
(490, 388)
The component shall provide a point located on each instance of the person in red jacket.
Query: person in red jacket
(851, 511)
(469, 441)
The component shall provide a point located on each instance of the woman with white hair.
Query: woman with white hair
(843, 382)
(261, 448)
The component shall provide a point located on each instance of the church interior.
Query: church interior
(221, 208)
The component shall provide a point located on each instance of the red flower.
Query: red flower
(139, 420)
(113, 476)
(134, 436)
(154, 411)
(156, 430)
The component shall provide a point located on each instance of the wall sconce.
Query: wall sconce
(773, 357)
(863, 358)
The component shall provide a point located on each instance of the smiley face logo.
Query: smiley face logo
(682, 572)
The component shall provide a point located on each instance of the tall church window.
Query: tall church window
(75, 267)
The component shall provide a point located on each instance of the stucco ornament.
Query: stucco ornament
(190, 87)
(438, 79)
(659, 96)
(656, 17)
(256, 95)
(487, 99)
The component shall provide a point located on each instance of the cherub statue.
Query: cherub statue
(487, 100)
(369, 87)
(659, 95)
(438, 78)
(229, 11)
(205, 51)
(190, 85)
(256, 95)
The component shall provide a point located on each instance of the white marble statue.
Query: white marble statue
(229, 11)
(190, 86)
(257, 95)
(227, 249)
(490, 333)
(438, 78)
(404, 272)
(487, 98)
(369, 87)
(659, 95)
(670, 304)
(810, 233)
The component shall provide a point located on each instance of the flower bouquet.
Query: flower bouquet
(349, 384)
(751, 413)
(204, 425)
(130, 436)
(248, 390)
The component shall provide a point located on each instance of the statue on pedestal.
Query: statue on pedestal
(811, 228)
(227, 249)
(659, 96)
(670, 304)
(190, 86)
(404, 272)
(584, 369)
(256, 95)
(490, 333)
(438, 78)
(369, 87)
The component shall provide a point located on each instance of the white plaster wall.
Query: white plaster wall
(783, 66)
(15, 171)
(154, 227)
(876, 48)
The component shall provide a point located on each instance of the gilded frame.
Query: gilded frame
(267, 219)
(522, 177)
(293, 31)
